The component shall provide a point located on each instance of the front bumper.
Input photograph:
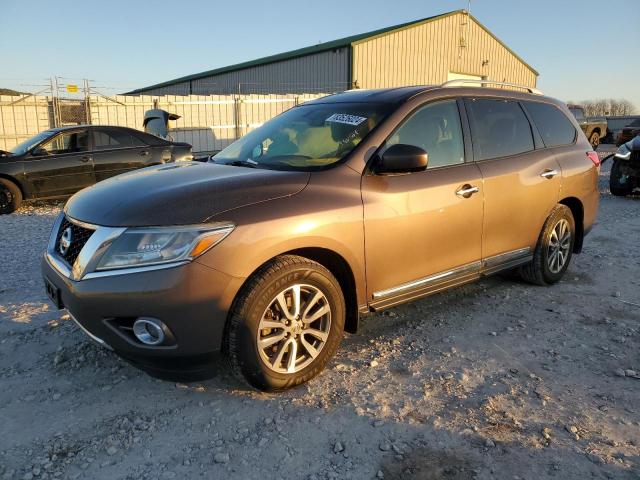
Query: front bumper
(192, 300)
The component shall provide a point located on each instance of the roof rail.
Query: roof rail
(460, 82)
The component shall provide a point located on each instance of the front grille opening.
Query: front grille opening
(79, 237)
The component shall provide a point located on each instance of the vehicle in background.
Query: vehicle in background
(615, 125)
(625, 171)
(156, 122)
(344, 205)
(594, 128)
(59, 162)
(629, 132)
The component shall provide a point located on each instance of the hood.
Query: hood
(634, 144)
(179, 194)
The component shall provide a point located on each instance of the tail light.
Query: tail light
(593, 156)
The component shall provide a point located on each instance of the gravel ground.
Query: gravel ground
(497, 379)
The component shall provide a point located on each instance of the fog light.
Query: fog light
(149, 331)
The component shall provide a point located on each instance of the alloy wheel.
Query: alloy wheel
(559, 246)
(5, 197)
(294, 328)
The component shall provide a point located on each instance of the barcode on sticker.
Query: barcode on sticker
(344, 118)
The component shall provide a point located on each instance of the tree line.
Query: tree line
(607, 107)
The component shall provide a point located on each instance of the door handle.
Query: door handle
(548, 173)
(85, 158)
(467, 190)
(144, 153)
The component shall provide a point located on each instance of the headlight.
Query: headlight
(623, 152)
(157, 245)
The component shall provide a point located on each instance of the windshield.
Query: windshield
(27, 145)
(308, 137)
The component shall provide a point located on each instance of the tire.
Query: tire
(619, 184)
(594, 140)
(10, 196)
(545, 268)
(258, 315)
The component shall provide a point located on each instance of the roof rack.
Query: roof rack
(460, 82)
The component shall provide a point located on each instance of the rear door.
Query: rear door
(423, 229)
(117, 151)
(521, 182)
(61, 166)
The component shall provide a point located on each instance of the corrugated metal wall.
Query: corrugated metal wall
(425, 54)
(320, 72)
(181, 88)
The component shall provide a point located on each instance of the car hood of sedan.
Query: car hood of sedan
(179, 194)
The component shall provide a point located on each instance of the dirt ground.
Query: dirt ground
(497, 379)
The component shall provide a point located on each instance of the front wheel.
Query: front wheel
(554, 248)
(620, 183)
(10, 196)
(594, 140)
(286, 324)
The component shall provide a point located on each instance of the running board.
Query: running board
(450, 278)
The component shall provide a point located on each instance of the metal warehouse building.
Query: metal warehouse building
(427, 51)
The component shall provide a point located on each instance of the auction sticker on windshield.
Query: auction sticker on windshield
(347, 119)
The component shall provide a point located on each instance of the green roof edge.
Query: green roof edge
(323, 47)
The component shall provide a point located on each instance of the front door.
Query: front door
(423, 230)
(117, 151)
(61, 166)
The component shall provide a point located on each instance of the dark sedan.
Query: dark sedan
(629, 132)
(59, 162)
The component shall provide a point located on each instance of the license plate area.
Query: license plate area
(53, 293)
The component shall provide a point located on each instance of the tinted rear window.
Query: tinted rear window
(108, 139)
(499, 128)
(553, 125)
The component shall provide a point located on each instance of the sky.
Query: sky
(583, 49)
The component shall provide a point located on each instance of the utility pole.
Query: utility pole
(87, 102)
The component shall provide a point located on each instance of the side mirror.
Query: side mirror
(401, 158)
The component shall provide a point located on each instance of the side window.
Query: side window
(498, 128)
(436, 129)
(553, 125)
(107, 139)
(67, 142)
(578, 113)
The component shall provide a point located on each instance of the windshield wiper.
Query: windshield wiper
(243, 163)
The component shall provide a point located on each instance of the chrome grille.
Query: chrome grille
(79, 237)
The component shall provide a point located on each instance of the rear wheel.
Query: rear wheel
(286, 324)
(594, 140)
(554, 249)
(10, 196)
(620, 183)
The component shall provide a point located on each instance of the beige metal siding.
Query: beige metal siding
(320, 72)
(426, 53)
(21, 118)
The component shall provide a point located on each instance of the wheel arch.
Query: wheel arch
(15, 182)
(577, 210)
(337, 265)
(340, 268)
